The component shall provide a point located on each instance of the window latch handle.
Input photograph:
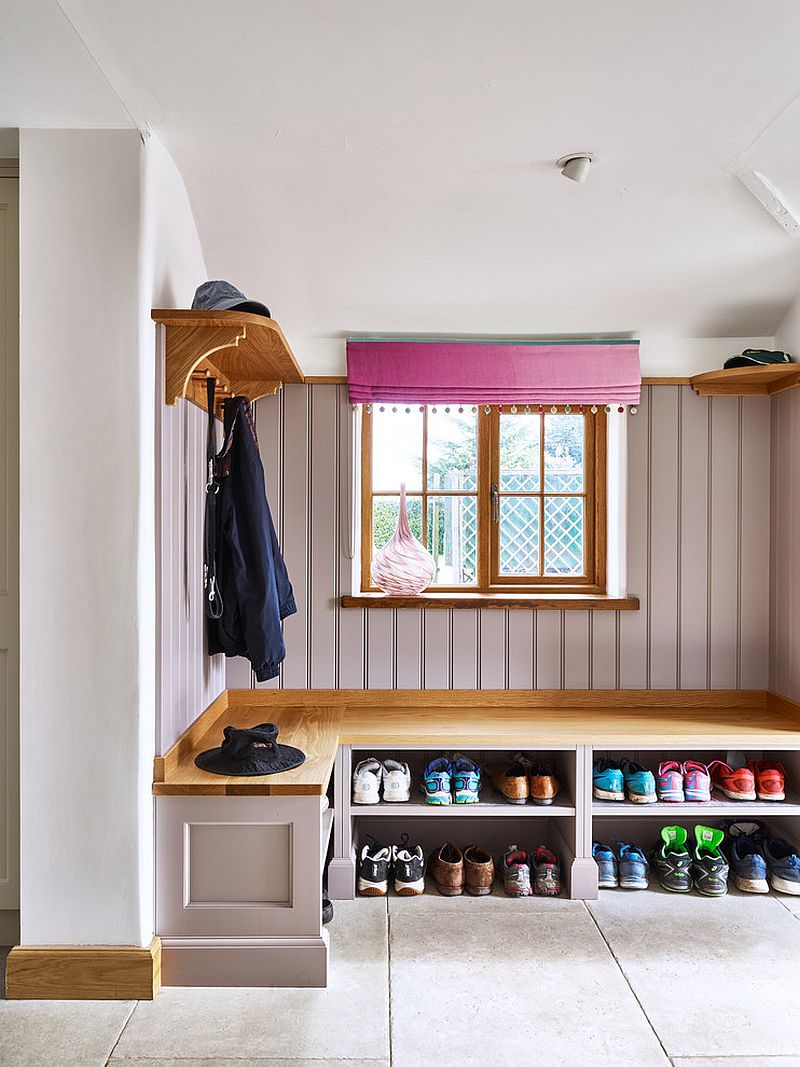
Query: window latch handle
(495, 503)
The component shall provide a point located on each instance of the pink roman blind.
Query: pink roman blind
(493, 372)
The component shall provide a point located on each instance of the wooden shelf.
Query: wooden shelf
(747, 381)
(718, 807)
(491, 804)
(529, 601)
(247, 354)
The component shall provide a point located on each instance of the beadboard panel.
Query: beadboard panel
(188, 679)
(698, 558)
(785, 577)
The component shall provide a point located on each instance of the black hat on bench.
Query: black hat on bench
(250, 752)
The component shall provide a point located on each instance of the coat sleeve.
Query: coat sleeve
(263, 590)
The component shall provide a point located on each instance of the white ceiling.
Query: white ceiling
(366, 166)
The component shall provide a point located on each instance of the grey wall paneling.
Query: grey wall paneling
(187, 678)
(785, 526)
(698, 534)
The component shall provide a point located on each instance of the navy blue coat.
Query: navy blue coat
(251, 575)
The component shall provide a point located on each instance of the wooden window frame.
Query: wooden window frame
(489, 582)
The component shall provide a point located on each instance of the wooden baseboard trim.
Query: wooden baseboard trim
(84, 972)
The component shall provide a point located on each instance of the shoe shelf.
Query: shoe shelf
(491, 804)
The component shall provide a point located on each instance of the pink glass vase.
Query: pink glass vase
(403, 567)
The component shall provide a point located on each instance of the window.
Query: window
(505, 501)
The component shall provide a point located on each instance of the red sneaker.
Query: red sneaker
(770, 779)
(737, 783)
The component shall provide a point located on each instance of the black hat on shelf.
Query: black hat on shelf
(249, 752)
(222, 296)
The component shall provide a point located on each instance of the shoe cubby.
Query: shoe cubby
(491, 803)
(719, 806)
(492, 822)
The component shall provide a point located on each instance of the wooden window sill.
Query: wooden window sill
(531, 601)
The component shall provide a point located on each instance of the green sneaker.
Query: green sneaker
(709, 866)
(672, 861)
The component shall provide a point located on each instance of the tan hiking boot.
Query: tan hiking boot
(446, 867)
(478, 870)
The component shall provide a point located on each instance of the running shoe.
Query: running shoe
(437, 782)
(672, 861)
(408, 863)
(373, 870)
(746, 857)
(396, 781)
(546, 872)
(640, 784)
(466, 780)
(515, 873)
(709, 866)
(633, 866)
(669, 782)
(696, 782)
(367, 778)
(737, 783)
(783, 865)
(608, 782)
(607, 870)
(770, 779)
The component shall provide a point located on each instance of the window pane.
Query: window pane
(385, 511)
(519, 535)
(519, 453)
(563, 535)
(563, 453)
(396, 449)
(453, 449)
(453, 538)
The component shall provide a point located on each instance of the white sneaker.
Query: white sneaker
(396, 781)
(367, 782)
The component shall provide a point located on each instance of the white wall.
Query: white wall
(106, 232)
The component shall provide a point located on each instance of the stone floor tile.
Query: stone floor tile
(149, 1061)
(495, 984)
(67, 1033)
(716, 977)
(735, 1061)
(348, 1019)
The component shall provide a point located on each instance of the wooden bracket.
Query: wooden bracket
(247, 354)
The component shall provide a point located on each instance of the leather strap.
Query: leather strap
(213, 598)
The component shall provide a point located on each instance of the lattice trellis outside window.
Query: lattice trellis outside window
(502, 499)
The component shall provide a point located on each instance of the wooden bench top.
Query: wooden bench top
(317, 721)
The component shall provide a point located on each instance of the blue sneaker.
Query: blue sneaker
(783, 864)
(640, 783)
(466, 780)
(608, 782)
(745, 851)
(748, 863)
(437, 783)
(633, 866)
(606, 859)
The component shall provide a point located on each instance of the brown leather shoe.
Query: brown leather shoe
(446, 866)
(542, 784)
(479, 871)
(511, 782)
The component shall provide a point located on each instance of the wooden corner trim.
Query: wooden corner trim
(206, 720)
(84, 972)
(789, 707)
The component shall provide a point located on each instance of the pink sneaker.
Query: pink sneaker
(669, 781)
(696, 781)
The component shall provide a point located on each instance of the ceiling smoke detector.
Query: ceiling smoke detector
(576, 165)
